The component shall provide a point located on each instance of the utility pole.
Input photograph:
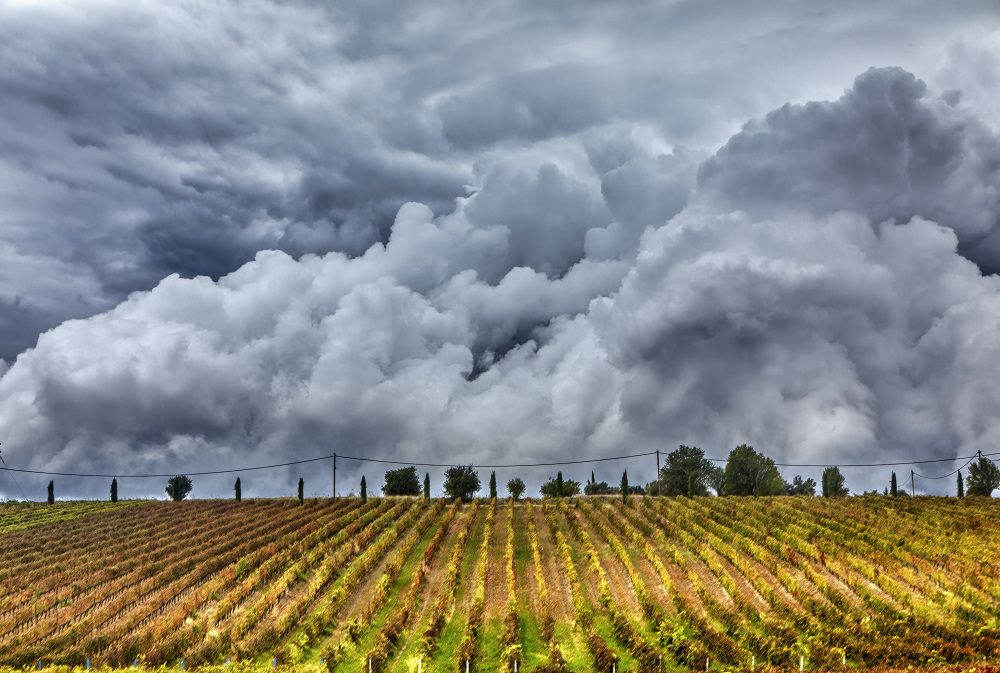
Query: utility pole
(913, 490)
(334, 476)
(657, 473)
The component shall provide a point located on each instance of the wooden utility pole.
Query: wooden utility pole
(334, 476)
(657, 472)
(913, 489)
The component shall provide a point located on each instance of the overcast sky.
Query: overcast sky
(243, 233)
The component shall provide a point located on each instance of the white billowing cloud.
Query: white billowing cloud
(600, 300)
(815, 339)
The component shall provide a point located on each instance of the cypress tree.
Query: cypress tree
(114, 490)
(238, 488)
(559, 485)
(302, 487)
(592, 479)
(493, 485)
(961, 485)
(893, 489)
(624, 485)
(364, 489)
(52, 492)
(427, 487)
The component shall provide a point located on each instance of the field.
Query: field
(583, 584)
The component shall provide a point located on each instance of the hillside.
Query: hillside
(585, 584)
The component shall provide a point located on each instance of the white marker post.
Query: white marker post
(420, 665)
(466, 666)
(802, 662)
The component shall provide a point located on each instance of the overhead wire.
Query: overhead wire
(370, 459)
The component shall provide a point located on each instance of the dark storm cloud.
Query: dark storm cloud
(492, 233)
(141, 139)
(885, 148)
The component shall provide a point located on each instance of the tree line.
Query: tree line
(686, 472)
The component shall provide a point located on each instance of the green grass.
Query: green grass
(398, 592)
(531, 642)
(443, 657)
(489, 647)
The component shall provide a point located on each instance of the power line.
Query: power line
(953, 472)
(485, 466)
(16, 482)
(905, 462)
(502, 465)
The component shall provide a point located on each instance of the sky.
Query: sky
(235, 234)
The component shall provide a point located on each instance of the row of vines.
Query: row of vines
(401, 585)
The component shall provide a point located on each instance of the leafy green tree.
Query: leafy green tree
(833, 483)
(516, 488)
(403, 481)
(178, 487)
(624, 486)
(961, 485)
(686, 471)
(893, 486)
(717, 479)
(560, 488)
(598, 488)
(364, 489)
(427, 487)
(302, 491)
(493, 485)
(751, 473)
(800, 486)
(462, 482)
(238, 488)
(984, 477)
(114, 490)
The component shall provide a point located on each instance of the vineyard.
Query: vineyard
(579, 584)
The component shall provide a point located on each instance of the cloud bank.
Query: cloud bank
(380, 251)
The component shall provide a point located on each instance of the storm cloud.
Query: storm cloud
(238, 235)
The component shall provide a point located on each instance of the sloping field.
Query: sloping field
(583, 584)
